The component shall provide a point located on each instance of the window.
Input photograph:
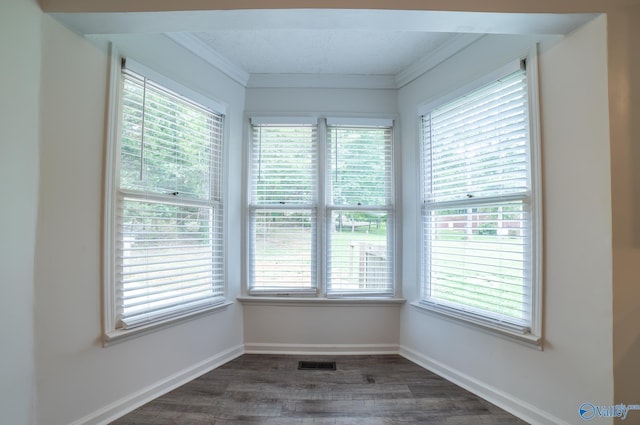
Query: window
(283, 211)
(321, 210)
(360, 210)
(167, 252)
(480, 207)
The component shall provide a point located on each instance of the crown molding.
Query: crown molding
(202, 50)
(352, 81)
(441, 54)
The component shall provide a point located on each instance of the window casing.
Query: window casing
(321, 207)
(480, 206)
(165, 238)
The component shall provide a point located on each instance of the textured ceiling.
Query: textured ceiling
(313, 51)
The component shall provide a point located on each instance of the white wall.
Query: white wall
(79, 381)
(19, 150)
(307, 328)
(575, 367)
(286, 327)
(358, 102)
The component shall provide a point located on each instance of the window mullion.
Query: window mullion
(322, 201)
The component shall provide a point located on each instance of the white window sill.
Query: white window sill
(308, 301)
(119, 335)
(524, 338)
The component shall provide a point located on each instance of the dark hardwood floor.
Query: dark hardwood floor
(367, 390)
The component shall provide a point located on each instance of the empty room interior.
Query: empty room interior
(446, 185)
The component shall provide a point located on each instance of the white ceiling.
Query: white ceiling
(314, 51)
(254, 44)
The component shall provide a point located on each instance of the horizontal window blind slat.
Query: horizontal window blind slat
(159, 278)
(174, 129)
(516, 302)
(496, 320)
(132, 276)
(360, 165)
(173, 250)
(480, 250)
(140, 318)
(500, 272)
(167, 258)
(284, 160)
(359, 257)
(491, 290)
(493, 301)
(497, 287)
(492, 305)
(139, 227)
(503, 107)
(167, 301)
(210, 280)
(161, 258)
(479, 254)
(282, 249)
(161, 299)
(490, 308)
(479, 135)
(138, 80)
(172, 154)
(199, 290)
(516, 79)
(493, 148)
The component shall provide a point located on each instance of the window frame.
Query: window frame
(322, 209)
(113, 332)
(532, 333)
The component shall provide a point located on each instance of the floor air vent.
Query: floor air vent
(302, 365)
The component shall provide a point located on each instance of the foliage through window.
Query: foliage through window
(478, 210)
(360, 210)
(289, 219)
(169, 219)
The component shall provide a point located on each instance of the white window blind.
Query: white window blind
(283, 209)
(477, 200)
(360, 210)
(169, 237)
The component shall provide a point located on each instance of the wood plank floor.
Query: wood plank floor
(367, 390)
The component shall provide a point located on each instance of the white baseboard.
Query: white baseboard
(125, 405)
(513, 405)
(320, 349)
